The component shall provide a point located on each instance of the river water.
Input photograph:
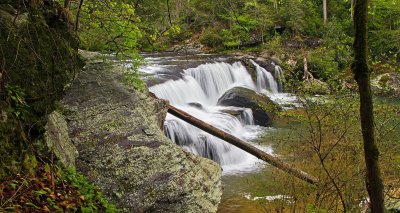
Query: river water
(194, 83)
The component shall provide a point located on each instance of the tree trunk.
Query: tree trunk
(169, 13)
(66, 4)
(78, 15)
(242, 145)
(362, 76)
(352, 9)
(325, 8)
(307, 74)
(2, 81)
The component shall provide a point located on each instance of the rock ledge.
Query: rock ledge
(125, 153)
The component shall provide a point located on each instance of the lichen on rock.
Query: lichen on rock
(58, 142)
(123, 150)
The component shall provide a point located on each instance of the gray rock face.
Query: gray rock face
(387, 84)
(263, 108)
(123, 150)
(57, 140)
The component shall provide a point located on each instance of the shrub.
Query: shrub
(323, 64)
(211, 38)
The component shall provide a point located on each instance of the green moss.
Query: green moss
(30, 164)
(39, 56)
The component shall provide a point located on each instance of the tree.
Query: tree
(362, 76)
(325, 8)
(109, 25)
(66, 3)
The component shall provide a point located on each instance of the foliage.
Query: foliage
(131, 73)
(19, 108)
(323, 63)
(52, 190)
(91, 199)
(336, 39)
(108, 25)
(212, 38)
(385, 44)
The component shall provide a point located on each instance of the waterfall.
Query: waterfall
(197, 93)
(217, 78)
(278, 76)
(265, 80)
(246, 117)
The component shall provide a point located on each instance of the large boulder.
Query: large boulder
(123, 150)
(387, 84)
(263, 108)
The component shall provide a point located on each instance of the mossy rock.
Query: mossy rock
(39, 58)
(11, 143)
(264, 109)
(387, 84)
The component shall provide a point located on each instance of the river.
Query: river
(194, 83)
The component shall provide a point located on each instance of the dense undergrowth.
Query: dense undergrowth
(38, 59)
(51, 189)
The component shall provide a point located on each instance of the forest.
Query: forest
(199, 106)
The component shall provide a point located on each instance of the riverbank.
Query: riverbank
(294, 137)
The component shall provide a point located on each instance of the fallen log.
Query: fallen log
(242, 145)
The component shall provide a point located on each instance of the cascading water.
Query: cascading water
(278, 76)
(265, 80)
(197, 93)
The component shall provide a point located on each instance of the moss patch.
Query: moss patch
(38, 58)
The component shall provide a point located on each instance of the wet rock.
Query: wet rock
(123, 150)
(196, 105)
(234, 113)
(276, 60)
(251, 69)
(266, 64)
(189, 48)
(263, 108)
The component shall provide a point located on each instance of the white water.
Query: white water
(197, 93)
(265, 80)
(278, 76)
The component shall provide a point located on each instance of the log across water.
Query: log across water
(242, 145)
